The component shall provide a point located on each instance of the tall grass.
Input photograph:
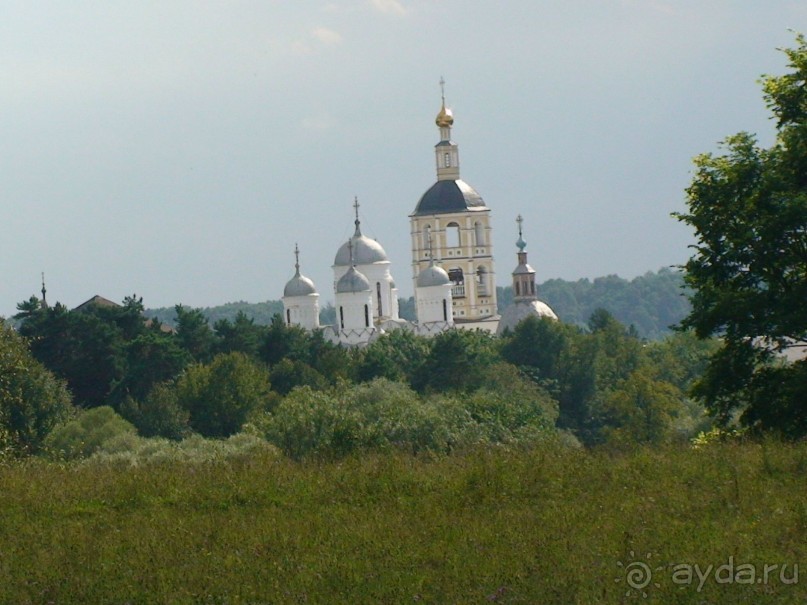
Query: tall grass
(542, 525)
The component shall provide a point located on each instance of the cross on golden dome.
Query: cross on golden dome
(445, 118)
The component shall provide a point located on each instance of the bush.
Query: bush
(383, 414)
(395, 416)
(220, 397)
(88, 433)
(290, 373)
(130, 450)
(314, 422)
(159, 415)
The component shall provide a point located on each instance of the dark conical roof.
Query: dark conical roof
(445, 197)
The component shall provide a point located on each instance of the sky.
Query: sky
(177, 150)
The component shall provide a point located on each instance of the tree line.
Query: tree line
(652, 303)
(594, 385)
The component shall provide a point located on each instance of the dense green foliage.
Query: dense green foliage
(543, 525)
(32, 400)
(261, 313)
(221, 396)
(601, 384)
(382, 415)
(610, 386)
(748, 275)
(651, 303)
(87, 433)
(104, 353)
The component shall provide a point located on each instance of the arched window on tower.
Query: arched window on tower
(457, 282)
(341, 317)
(366, 316)
(445, 310)
(378, 297)
(479, 234)
(453, 235)
(482, 281)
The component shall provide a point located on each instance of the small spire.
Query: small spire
(296, 260)
(44, 303)
(443, 90)
(520, 244)
(356, 222)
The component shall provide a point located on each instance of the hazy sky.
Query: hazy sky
(178, 149)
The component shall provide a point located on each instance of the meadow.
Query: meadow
(490, 525)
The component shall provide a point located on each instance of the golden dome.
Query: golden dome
(445, 118)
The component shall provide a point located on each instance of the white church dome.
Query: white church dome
(352, 281)
(299, 285)
(519, 311)
(432, 276)
(366, 251)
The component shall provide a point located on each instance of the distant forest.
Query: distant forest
(651, 303)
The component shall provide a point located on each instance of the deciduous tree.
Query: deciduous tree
(748, 207)
(32, 400)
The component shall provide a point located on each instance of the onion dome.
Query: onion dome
(365, 251)
(520, 243)
(444, 119)
(299, 285)
(352, 281)
(432, 276)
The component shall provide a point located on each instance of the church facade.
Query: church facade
(452, 266)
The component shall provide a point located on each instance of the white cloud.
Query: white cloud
(326, 36)
(390, 7)
(316, 38)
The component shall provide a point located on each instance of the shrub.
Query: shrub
(290, 373)
(311, 422)
(383, 414)
(221, 396)
(131, 450)
(88, 433)
(159, 414)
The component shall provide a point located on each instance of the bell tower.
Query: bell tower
(451, 225)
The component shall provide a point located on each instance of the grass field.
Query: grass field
(540, 526)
